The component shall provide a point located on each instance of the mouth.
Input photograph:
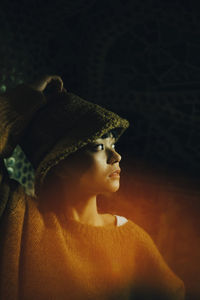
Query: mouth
(116, 173)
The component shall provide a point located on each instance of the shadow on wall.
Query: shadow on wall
(168, 209)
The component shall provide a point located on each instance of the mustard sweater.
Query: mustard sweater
(44, 256)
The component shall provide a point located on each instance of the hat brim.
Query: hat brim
(74, 141)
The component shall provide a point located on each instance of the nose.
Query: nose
(114, 157)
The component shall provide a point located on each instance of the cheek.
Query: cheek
(96, 180)
(78, 168)
(96, 173)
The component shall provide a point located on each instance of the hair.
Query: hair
(110, 133)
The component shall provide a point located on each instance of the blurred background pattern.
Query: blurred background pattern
(140, 59)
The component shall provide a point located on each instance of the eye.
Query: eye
(97, 147)
(100, 147)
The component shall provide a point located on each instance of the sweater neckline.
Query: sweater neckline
(74, 225)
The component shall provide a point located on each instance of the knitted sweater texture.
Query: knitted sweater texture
(44, 256)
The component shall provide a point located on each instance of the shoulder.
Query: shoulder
(153, 265)
(142, 243)
(138, 233)
(147, 249)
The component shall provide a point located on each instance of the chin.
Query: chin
(114, 188)
(108, 187)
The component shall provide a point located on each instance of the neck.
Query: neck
(82, 209)
(75, 204)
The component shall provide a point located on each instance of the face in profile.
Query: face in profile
(89, 169)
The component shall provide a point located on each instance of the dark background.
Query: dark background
(140, 59)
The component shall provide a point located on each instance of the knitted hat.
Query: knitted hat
(65, 124)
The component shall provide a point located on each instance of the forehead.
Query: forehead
(109, 138)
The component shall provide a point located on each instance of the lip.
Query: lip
(115, 173)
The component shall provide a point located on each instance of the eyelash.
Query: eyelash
(95, 146)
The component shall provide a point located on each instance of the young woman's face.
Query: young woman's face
(90, 168)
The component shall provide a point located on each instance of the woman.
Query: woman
(56, 245)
